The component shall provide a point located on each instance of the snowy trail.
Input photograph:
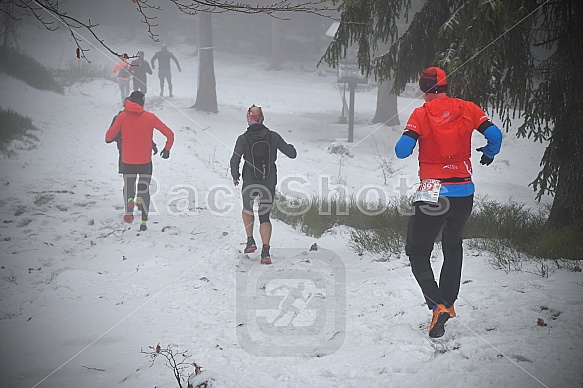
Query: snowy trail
(83, 292)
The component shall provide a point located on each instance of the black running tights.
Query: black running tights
(142, 174)
(451, 214)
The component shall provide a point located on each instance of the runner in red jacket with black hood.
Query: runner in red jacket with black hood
(136, 126)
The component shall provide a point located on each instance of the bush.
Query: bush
(304, 215)
(83, 71)
(558, 243)
(375, 227)
(27, 69)
(509, 232)
(508, 221)
(14, 127)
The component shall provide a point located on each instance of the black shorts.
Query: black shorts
(265, 194)
(145, 169)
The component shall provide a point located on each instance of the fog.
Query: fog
(300, 37)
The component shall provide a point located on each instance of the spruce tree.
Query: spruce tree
(519, 60)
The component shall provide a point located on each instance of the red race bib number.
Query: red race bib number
(428, 191)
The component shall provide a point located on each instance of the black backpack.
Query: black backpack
(124, 72)
(260, 158)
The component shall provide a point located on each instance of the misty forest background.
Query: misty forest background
(391, 42)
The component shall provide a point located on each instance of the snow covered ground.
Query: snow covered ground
(82, 294)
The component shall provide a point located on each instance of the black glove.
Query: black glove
(165, 154)
(154, 148)
(484, 160)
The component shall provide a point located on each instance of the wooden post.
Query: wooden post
(352, 87)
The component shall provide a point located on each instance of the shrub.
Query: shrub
(82, 72)
(506, 221)
(375, 227)
(14, 127)
(27, 69)
(303, 214)
(509, 232)
(558, 243)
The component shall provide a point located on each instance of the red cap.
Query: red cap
(433, 80)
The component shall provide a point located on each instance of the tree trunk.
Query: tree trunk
(561, 215)
(386, 112)
(564, 212)
(206, 96)
(562, 159)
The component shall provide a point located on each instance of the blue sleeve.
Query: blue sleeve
(493, 135)
(405, 146)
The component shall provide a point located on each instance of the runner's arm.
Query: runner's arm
(166, 131)
(236, 158)
(286, 148)
(406, 144)
(493, 136)
(117, 67)
(113, 131)
(176, 61)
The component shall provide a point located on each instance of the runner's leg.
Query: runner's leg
(452, 247)
(424, 226)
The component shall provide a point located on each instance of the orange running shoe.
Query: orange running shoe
(451, 311)
(440, 317)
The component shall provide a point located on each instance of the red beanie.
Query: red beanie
(433, 80)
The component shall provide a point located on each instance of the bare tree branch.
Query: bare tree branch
(51, 16)
(175, 360)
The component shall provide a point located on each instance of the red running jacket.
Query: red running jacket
(122, 65)
(445, 127)
(137, 130)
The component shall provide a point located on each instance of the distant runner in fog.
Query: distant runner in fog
(122, 68)
(140, 69)
(163, 56)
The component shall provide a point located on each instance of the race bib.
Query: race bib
(428, 191)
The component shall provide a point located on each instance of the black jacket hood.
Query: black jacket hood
(257, 132)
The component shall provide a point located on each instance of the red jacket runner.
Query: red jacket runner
(137, 130)
(445, 127)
